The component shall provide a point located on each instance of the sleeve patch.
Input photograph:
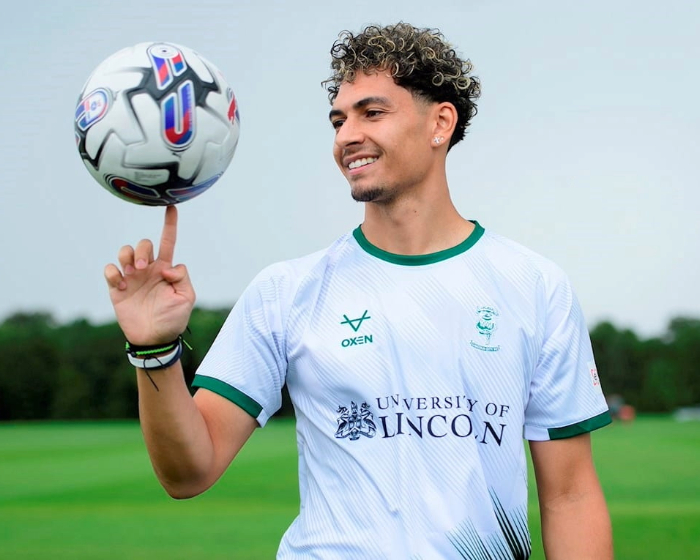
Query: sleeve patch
(593, 370)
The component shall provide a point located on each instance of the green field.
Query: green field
(86, 491)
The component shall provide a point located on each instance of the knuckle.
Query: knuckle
(112, 274)
(126, 251)
(144, 247)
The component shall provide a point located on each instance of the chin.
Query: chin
(372, 194)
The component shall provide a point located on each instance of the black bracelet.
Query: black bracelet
(157, 356)
(146, 360)
(137, 351)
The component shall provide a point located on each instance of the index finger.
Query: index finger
(166, 251)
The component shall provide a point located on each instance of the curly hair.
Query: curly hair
(420, 60)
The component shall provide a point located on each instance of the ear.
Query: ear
(444, 122)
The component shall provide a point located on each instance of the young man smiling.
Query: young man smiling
(391, 145)
(418, 349)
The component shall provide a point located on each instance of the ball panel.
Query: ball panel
(149, 149)
(198, 64)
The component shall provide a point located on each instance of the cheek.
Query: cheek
(410, 150)
(336, 155)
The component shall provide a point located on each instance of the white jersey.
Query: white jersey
(414, 380)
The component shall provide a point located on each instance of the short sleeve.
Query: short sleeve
(247, 362)
(566, 398)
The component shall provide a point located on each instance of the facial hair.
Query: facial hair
(379, 194)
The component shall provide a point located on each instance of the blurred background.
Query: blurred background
(585, 149)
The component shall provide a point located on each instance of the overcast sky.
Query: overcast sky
(586, 147)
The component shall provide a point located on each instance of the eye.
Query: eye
(337, 123)
(373, 113)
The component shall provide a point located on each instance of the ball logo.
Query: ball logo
(232, 107)
(177, 110)
(141, 194)
(168, 63)
(185, 193)
(91, 108)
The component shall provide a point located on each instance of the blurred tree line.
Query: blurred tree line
(79, 370)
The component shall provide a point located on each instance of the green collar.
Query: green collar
(418, 260)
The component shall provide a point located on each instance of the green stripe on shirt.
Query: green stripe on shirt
(581, 427)
(231, 393)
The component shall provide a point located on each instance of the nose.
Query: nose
(349, 133)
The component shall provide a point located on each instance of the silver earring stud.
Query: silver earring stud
(438, 139)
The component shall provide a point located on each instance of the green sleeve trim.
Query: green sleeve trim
(419, 260)
(231, 393)
(581, 427)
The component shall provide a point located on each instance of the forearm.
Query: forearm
(577, 527)
(190, 440)
(175, 432)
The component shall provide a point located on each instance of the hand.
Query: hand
(152, 299)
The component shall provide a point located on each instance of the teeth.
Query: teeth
(361, 162)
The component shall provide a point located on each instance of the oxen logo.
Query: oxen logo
(486, 326)
(91, 108)
(355, 325)
(353, 424)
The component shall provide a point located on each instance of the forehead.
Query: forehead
(373, 85)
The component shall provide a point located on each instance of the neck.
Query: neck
(417, 223)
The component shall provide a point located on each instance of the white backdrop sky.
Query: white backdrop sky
(586, 147)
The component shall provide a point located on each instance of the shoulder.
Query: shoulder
(285, 278)
(517, 260)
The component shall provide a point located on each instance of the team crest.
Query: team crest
(354, 424)
(486, 326)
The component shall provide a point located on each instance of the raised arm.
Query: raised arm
(575, 519)
(190, 441)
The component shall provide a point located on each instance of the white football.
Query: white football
(156, 124)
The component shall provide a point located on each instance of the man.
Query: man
(417, 349)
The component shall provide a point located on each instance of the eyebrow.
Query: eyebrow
(376, 100)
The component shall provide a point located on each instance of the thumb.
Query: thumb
(176, 275)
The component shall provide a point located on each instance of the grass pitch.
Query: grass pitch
(87, 491)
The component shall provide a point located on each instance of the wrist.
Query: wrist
(159, 356)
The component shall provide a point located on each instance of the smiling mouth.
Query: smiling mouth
(358, 163)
